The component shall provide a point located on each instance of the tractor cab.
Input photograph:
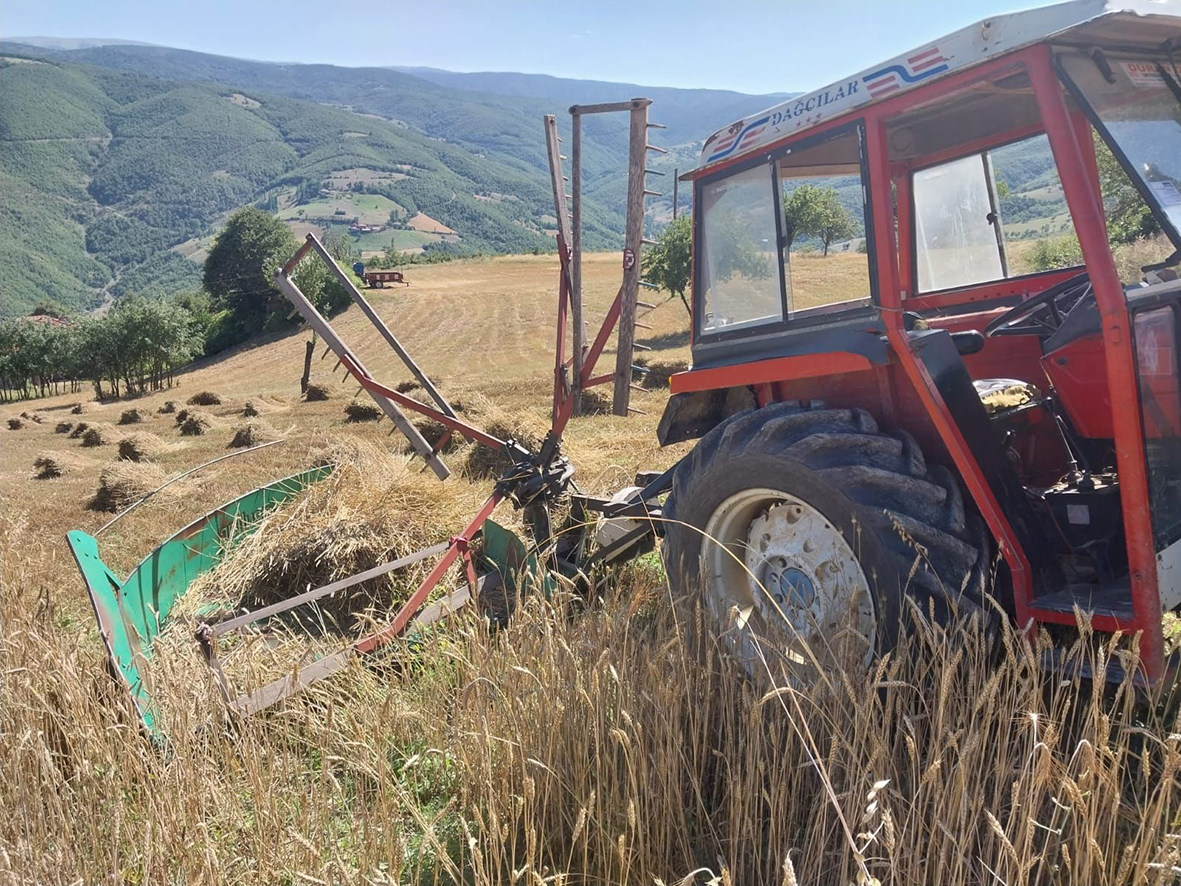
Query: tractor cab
(940, 300)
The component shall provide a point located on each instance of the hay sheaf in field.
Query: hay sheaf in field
(180, 416)
(140, 446)
(63, 427)
(196, 423)
(254, 433)
(370, 510)
(49, 465)
(204, 398)
(99, 434)
(15, 423)
(79, 430)
(656, 374)
(317, 392)
(480, 462)
(122, 483)
(79, 408)
(132, 417)
(362, 412)
(167, 408)
(35, 417)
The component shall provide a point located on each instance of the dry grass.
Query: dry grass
(658, 372)
(140, 446)
(132, 417)
(317, 392)
(204, 398)
(50, 465)
(253, 433)
(357, 411)
(196, 423)
(373, 508)
(121, 483)
(99, 434)
(580, 749)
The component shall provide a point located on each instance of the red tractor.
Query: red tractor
(942, 408)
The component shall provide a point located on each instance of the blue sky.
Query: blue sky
(759, 46)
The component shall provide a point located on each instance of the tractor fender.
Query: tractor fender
(691, 415)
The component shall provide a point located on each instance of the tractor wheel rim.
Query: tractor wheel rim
(783, 579)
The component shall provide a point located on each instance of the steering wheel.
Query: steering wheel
(1043, 314)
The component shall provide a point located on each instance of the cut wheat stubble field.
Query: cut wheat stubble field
(604, 744)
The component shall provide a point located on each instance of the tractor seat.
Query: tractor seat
(999, 394)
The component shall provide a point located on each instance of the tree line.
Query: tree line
(140, 343)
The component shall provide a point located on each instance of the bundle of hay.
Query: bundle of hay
(132, 417)
(434, 433)
(79, 408)
(35, 417)
(372, 509)
(15, 424)
(63, 427)
(168, 408)
(181, 416)
(483, 462)
(317, 392)
(406, 387)
(595, 402)
(122, 483)
(56, 464)
(362, 412)
(197, 423)
(253, 433)
(140, 446)
(79, 430)
(98, 434)
(250, 410)
(204, 398)
(658, 373)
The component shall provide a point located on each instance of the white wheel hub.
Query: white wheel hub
(776, 569)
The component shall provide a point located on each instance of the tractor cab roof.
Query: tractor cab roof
(1133, 24)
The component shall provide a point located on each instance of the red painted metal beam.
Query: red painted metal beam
(1082, 197)
(458, 545)
(766, 371)
(469, 431)
(890, 294)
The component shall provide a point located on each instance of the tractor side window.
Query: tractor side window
(988, 216)
(738, 273)
(956, 241)
(825, 257)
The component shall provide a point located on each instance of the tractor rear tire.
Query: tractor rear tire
(831, 523)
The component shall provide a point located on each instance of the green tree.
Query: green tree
(238, 270)
(833, 221)
(669, 264)
(1128, 216)
(802, 213)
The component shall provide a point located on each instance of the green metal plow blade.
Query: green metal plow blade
(132, 613)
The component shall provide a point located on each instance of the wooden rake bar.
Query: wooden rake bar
(324, 329)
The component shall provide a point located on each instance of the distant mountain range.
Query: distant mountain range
(119, 160)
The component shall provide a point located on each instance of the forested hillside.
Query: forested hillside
(119, 161)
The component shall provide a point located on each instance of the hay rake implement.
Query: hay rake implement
(497, 565)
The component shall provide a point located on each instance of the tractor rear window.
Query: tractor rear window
(738, 272)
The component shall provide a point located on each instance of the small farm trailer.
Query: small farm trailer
(379, 277)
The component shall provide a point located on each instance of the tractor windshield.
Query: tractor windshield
(1134, 104)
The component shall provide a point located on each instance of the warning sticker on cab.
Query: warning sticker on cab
(1144, 74)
